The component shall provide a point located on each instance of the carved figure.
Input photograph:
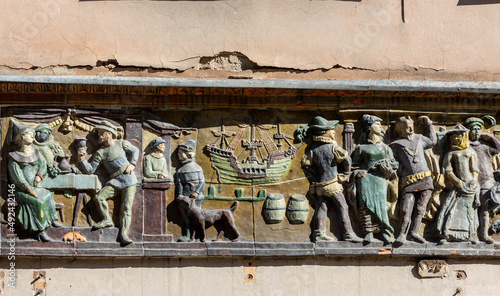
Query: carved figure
(202, 219)
(415, 178)
(118, 157)
(320, 164)
(433, 162)
(57, 161)
(155, 164)
(376, 166)
(189, 181)
(44, 142)
(36, 209)
(457, 220)
(485, 146)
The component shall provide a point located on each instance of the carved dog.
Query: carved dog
(202, 219)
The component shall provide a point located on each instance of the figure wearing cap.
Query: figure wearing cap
(415, 178)
(155, 164)
(376, 165)
(320, 164)
(118, 157)
(189, 181)
(457, 220)
(486, 146)
(36, 210)
(44, 142)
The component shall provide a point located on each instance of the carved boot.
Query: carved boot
(401, 240)
(42, 236)
(416, 224)
(487, 239)
(352, 237)
(183, 239)
(56, 224)
(126, 220)
(368, 238)
(320, 235)
(103, 224)
(387, 238)
(484, 219)
(417, 237)
(124, 238)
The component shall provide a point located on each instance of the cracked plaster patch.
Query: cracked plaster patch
(234, 62)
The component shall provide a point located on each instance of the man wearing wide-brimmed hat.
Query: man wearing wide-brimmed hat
(118, 157)
(320, 164)
(486, 146)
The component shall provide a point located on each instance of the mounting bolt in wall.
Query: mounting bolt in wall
(460, 274)
(250, 273)
(38, 284)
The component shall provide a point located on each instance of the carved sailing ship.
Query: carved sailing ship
(257, 168)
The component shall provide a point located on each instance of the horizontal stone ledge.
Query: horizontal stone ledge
(247, 249)
(355, 84)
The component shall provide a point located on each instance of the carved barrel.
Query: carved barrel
(273, 210)
(297, 209)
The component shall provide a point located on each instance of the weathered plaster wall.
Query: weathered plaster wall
(326, 276)
(447, 36)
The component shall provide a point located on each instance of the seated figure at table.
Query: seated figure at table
(36, 209)
(52, 151)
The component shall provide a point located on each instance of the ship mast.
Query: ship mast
(252, 144)
(279, 136)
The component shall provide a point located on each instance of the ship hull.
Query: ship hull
(229, 171)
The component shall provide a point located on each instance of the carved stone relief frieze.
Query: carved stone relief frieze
(136, 181)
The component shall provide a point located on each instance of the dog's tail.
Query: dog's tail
(234, 206)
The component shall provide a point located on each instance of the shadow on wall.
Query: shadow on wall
(477, 2)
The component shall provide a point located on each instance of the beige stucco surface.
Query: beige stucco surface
(216, 276)
(438, 36)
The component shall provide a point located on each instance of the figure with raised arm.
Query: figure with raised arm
(119, 158)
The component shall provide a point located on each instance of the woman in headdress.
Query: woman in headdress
(36, 207)
(376, 165)
(458, 220)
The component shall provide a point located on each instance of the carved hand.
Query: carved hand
(194, 195)
(424, 120)
(82, 152)
(130, 168)
(37, 181)
(361, 174)
(459, 183)
(162, 176)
